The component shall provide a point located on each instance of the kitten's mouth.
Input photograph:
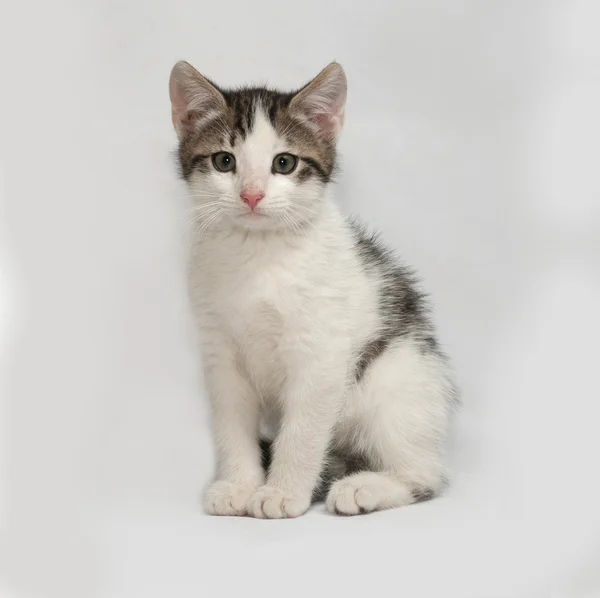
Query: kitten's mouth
(252, 215)
(254, 220)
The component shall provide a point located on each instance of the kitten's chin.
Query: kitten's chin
(256, 221)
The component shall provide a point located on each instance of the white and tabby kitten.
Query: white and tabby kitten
(320, 360)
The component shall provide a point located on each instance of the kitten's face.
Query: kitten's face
(255, 158)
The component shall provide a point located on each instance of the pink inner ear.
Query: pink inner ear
(189, 117)
(324, 121)
(185, 119)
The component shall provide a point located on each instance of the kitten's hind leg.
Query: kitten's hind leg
(401, 411)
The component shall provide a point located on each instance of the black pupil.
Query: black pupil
(226, 159)
(283, 162)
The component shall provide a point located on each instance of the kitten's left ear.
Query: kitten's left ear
(323, 100)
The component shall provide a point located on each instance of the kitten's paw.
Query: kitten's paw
(366, 492)
(269, 502)
(227, 498)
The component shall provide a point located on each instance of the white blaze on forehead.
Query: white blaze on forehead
(256, 153)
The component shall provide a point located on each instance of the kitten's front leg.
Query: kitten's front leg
(310, 407)
(235, 413)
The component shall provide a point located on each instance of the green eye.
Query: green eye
(284, 163)
(223, 161)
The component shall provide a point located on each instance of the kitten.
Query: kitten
(313, 337)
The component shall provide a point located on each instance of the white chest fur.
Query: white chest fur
(275, 296)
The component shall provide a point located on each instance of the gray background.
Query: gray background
(472, 141)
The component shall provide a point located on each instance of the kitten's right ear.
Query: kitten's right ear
(193, 97)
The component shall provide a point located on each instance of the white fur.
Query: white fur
(284, 307)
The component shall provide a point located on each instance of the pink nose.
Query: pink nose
(251, 198)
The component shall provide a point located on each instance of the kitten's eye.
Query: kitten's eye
(284, 163)
(223, 161)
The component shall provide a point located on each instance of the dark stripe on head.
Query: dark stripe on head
(207, 139)
(318, 168)
(242, 106)
(238, 124)
(200, 162)
(304, 174)
(272, 113)
(249, 110)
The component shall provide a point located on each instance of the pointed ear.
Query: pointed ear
(193, 97)
(323, 100)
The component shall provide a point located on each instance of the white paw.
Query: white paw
(366, 492)
(342, 499)
(227, 498)
(269, 502)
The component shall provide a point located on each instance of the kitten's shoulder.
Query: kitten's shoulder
(371, 249)
(403, 306)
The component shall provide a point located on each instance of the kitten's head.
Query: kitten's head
(254, 157)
